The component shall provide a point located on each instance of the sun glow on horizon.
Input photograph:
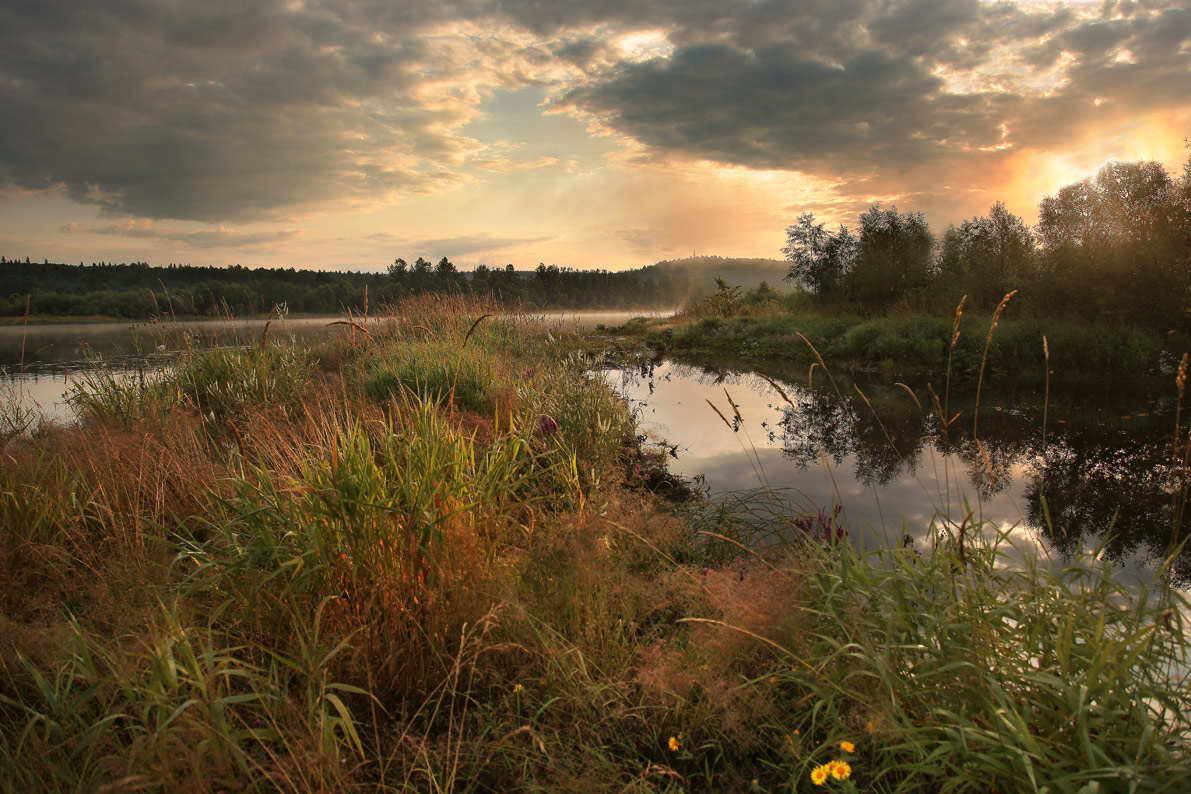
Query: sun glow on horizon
(1034, 174)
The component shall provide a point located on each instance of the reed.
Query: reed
(262, 571)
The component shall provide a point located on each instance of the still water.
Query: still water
(1096, 456)
(37, 361)
(873, 444)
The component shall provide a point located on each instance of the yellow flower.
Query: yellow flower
(517, 688)
(674, 745)
(841, 770)
(847, 747)
(819, 775)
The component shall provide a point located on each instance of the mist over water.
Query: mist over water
(40, 361)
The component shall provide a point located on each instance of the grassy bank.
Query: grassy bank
(771, 330)
(426, 558)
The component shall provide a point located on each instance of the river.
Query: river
(1097, 457)
(1103, 470)
(36, 360)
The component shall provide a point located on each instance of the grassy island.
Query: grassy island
(434, 556)
(764, 324)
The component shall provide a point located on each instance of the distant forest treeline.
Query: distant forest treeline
(1114, 248)
(138, 290)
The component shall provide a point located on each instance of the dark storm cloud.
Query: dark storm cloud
(220, 110)
(906, 90)
(774, 108)
(920, 27)
(234, 109)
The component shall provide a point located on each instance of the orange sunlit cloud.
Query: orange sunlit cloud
(334, 136)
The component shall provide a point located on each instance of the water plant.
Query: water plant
(333, 586)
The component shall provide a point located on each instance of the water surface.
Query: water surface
(1104, 469)
(38, 359)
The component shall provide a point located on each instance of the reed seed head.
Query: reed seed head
(959, 312)
(1181, 379)
(997, 314)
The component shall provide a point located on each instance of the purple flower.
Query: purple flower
(823, 525)
(549, 426)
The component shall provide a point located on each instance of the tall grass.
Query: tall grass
(961, 672)
(410, 561)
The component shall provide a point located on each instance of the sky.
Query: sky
(342, 134)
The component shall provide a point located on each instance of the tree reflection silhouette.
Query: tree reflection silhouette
(1106, 469)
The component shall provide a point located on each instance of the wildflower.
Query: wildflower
(847, 747)
(819, 775)
(674, 744)
(517, 688)
(797, 732)
(549, 426)
(773, 679)
(841, 770)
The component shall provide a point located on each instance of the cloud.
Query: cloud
(482, 242)
(226, 110)
(896, 99)
(193, 238)
(234, 110)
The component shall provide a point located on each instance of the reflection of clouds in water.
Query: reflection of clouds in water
(888, 490)
(678, 411)
(43, 392)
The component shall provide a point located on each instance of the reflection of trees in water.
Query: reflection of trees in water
(822, 423)
(995, 475)
(890, 438)
(1097, 473)
(1095, 476)
(1095, 486)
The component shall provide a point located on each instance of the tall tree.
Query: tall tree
(987, 256)
(893, 257)
(1117, 244)
(819, 260)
